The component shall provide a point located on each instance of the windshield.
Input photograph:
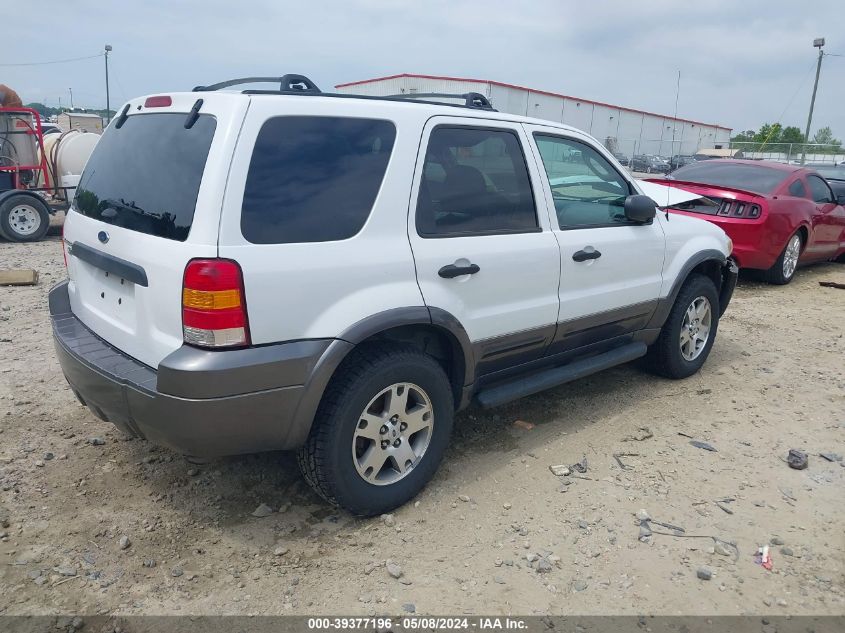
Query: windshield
(750, 177)
(146, 175)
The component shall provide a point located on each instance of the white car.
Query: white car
(338, 275)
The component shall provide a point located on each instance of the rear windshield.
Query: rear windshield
(145, 176)
(314, 179)
(750, 177)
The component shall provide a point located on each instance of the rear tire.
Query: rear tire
(689, 332)
(783, 270)
(380, 394)
(24, 218)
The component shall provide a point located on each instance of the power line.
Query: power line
(58, 61)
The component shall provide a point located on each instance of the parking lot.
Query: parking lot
(495, 532)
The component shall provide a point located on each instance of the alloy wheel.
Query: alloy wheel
(695, 329)
(392, 434)
(790, 256)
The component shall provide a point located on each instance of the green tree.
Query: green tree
(769, 133)
(824, 136)
(744, 137)
(792, 134)
(43, 110)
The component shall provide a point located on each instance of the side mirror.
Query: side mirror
(640, 208)
(840, 199)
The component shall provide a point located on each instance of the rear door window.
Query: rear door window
(314, 179)
(145, 176)
(474, 182)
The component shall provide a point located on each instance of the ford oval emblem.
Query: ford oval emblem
(103, 236)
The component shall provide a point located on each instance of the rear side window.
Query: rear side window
(474, 182)
(797, 189)
(819, 189)
(146, 175)
(314, 179)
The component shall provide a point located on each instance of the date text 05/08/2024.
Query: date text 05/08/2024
(431, 623)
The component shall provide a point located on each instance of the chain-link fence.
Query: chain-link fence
(790, 152)
(664, 148)
(641, 149)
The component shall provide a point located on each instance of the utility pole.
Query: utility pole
(70, 90)
(108, 105)
(818, 43)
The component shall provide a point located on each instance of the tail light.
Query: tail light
(213, 304)
(754, 211)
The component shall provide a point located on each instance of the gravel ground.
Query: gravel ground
(93, 523)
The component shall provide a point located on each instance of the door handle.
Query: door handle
(451, 271)
(588, 253)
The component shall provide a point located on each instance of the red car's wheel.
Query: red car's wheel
(783, 270)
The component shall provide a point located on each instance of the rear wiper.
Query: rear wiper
(193, 115)
(121, 119)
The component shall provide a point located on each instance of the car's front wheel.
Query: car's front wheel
(689, 332)
(783, 270)
(380, 431)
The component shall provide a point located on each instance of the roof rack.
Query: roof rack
(471, 99)
(287, 84)
(301, 85)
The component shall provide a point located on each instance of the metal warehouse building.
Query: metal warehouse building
(621, 129)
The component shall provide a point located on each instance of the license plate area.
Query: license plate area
(108, 295)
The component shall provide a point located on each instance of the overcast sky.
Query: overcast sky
(741, 62)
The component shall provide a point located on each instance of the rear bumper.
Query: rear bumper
(756, 243)
(199, 402)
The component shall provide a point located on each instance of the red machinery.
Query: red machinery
(22, 165)
(28, 191)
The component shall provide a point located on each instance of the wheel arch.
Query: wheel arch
(433, 331)
(709, 262)
(804, 231)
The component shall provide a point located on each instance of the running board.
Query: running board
(535, 383)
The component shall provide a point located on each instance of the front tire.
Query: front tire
(380, 431)
(783, 270)
(689, 332)
(24, 218)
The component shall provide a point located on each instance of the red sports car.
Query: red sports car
(777, 215)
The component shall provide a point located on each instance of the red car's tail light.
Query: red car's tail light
(213, 304)
(754, 211)
(739, 210)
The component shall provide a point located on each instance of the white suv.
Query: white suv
(340, 274)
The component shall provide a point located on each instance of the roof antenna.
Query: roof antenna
(674, 123)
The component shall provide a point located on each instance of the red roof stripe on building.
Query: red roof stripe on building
(541, 92)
